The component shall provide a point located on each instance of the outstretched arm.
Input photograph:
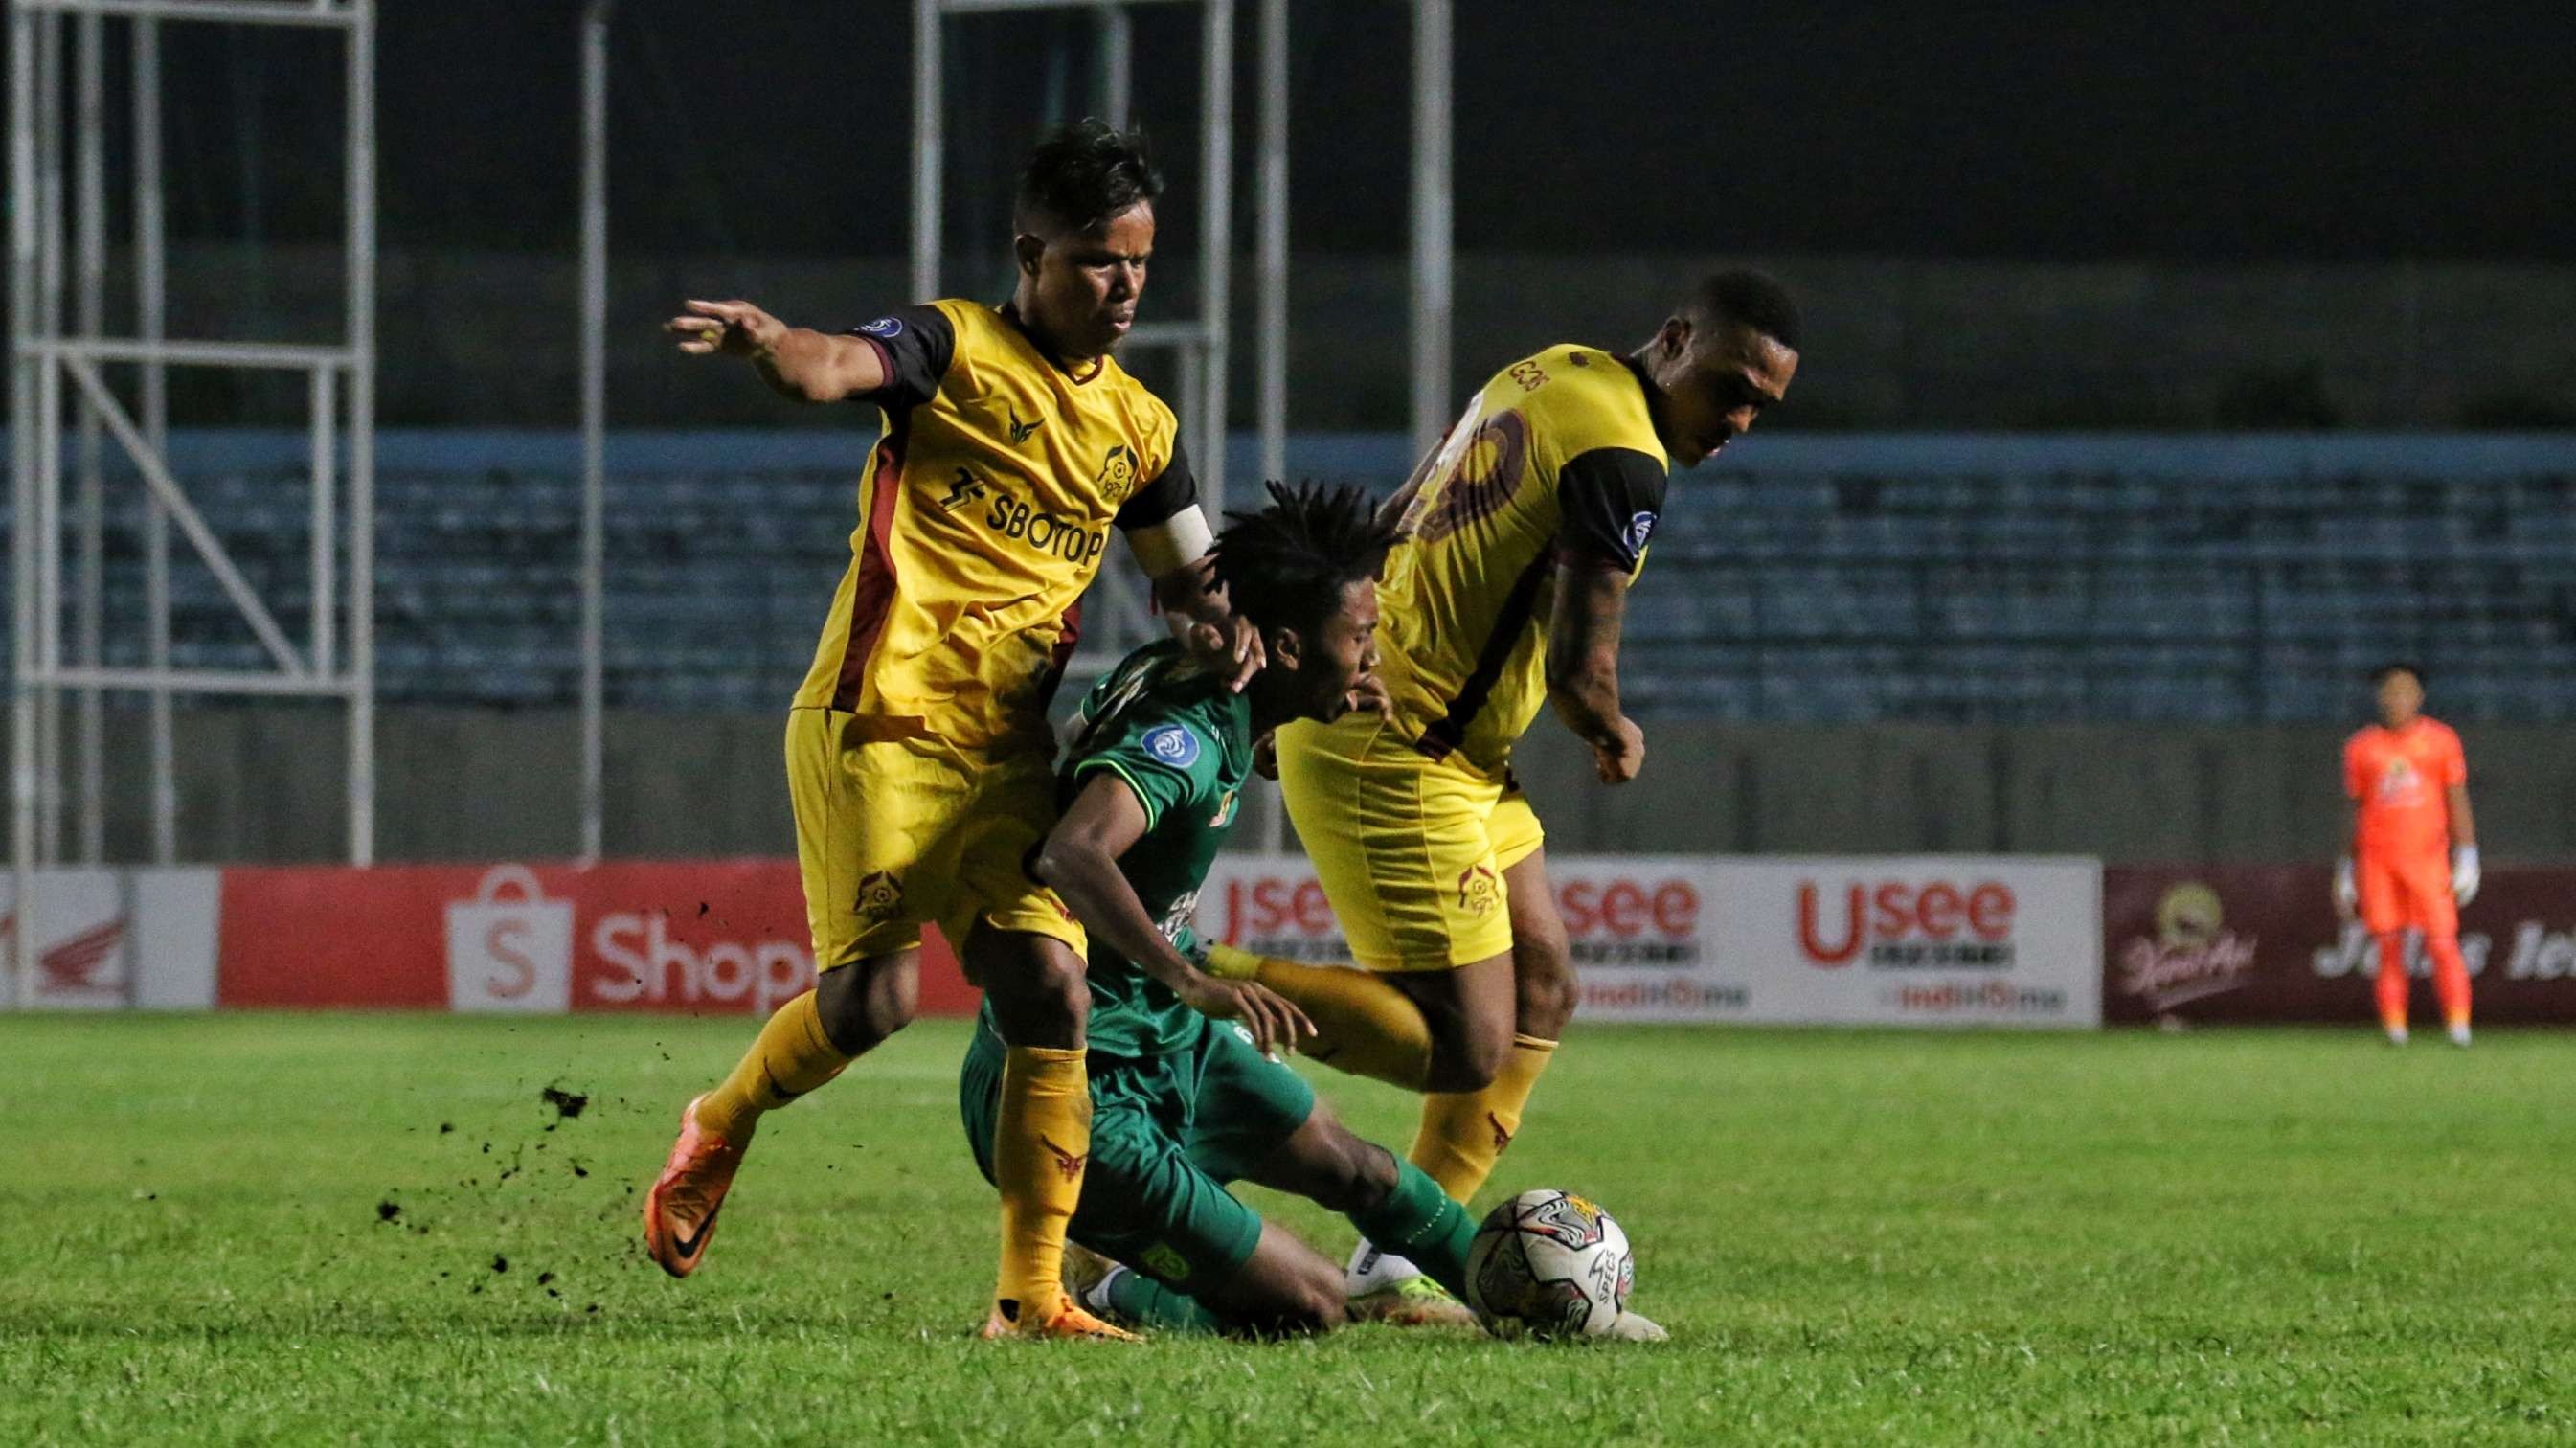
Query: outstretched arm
(1583, 668)
(1080, 862)
(797, 362)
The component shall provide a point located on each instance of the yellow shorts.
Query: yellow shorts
(1411, 851)
(893, 833)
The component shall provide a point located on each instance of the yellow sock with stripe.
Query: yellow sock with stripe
(1463, 1133)
(791, 1057)
(1362, 1024)
(1041, 1142)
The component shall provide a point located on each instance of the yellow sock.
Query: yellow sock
(1463, 1133)
(791, 1057)
(1041, 1141)
(1363, 1025)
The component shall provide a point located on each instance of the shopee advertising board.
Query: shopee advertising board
(1913, 941)
(689, 936)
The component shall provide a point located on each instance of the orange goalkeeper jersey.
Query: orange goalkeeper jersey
(2399, 778)
(983, 513)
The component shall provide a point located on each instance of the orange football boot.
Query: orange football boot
(1067, 1323)
(680, 1210)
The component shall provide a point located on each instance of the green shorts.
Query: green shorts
(1167, 1133)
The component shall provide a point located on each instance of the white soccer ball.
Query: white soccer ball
(1550, 1264)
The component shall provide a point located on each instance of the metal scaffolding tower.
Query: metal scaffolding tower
(57, 364)
(1205, 342)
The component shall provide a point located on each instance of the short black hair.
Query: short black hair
(1287, 565)
(2379, 676)
(1082, 174)
(1753, 298)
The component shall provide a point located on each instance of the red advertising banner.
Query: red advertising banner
(2263, 943)
(695, 937)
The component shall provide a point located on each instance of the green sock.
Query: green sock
(1418, 1221)
(1148, 1303)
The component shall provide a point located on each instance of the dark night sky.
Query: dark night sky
(2016, 128)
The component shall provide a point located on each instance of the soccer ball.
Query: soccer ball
(1549, 1264)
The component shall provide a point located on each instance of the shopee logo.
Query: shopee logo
(1895, 913)
(1626, 909)
(646, 964)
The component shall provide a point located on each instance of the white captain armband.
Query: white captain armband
(1172, 544)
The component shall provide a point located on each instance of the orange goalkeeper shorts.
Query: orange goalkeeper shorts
(2409, 890)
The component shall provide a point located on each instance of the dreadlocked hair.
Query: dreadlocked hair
(1287, 565)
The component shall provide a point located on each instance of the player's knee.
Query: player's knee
(1040, 996)
(864, 1002)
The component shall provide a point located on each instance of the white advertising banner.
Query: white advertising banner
(1939, 940)
(105, 939)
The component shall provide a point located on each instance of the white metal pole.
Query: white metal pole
(1273, 341)
(362, 432)
(151, 294)
(1431, 221)
(49, 440)
(323, 585)
(1117, 64)
(594, 418)
(928, 136)
(1216, 238)
(91, 300)
(91, 295)
(22, 486)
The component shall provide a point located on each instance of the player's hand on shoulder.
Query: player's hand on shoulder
(1231, 649)
(1274, 1020)
(737, 329)
(1618, 758)
(1370, 696)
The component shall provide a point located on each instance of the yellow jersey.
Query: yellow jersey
(1554, 462)
(983, 512)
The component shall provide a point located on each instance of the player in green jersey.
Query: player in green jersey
(1187, 1094)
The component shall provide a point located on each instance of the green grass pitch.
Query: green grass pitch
(259, 1228)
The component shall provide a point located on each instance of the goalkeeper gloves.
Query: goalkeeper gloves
(2347, 894)
(2464, 874)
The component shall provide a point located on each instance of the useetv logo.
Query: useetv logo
(1905, 925)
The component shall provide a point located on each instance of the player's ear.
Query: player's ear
(1674, 337)
(1027, 248)
(1285, 647)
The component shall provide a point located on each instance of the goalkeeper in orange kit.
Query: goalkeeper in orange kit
(2414, 859)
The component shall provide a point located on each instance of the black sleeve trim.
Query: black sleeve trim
(917, 345)
(1171, 491)
(1609, 499)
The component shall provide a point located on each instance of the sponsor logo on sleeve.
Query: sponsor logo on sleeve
(1640, 528)
(1172, 744)
(884, 328)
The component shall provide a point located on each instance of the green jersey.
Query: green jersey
(1182, 741)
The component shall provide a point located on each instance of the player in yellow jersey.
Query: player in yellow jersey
(919, 760)
(1520, 535)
